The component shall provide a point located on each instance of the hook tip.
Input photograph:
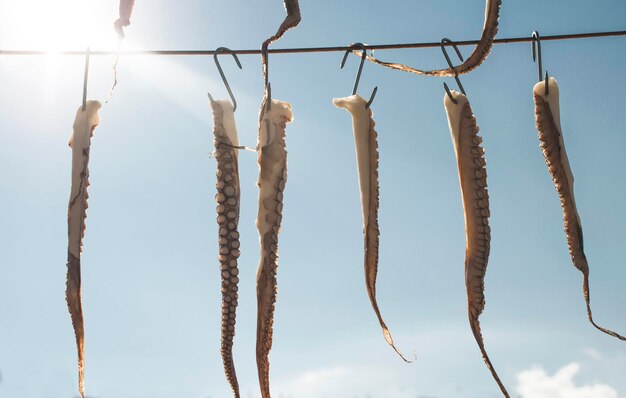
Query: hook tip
(345, 58)
(372, 97)
(237, 61)
(445, 86)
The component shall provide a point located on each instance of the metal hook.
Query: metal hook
(456, 76)
(361, 47)
(268, 87)
(219, 68)
(86, 79)
(536, 47)
(269, 96)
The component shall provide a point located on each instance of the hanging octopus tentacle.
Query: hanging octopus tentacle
(477, 57)
(125, 11)
(366, 141)
(473, 180)
(74, 305)
(84, 125)
(272, 158)
(292, 20)
(548, 125)
(228, 205)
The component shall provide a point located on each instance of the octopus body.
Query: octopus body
(477, 57)
(548, 123)
(80, 141)
(272, 158)
(126, 9)
(366, 142)
(228, 202)
(473, 181)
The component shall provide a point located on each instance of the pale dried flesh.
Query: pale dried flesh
(228, 205)
(126, 9)
(80, 141)
(547, 119)
(366, 142)
(272, 159)
(473, 180)
(477, 57)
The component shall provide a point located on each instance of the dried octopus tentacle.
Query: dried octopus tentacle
(272, 160)
(292, 20)
(478, 56)
(228, 202)
(548, 125)
(126, 9)
(80, 142)
(473, 181)
(365, 138)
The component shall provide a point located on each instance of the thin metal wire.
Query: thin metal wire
(506, 40)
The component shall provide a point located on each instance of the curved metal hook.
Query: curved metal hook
(359, 46)
(268, 86)
(86, 79)
(536, 47)
(219, 68)
(456, 76)
(355, 46)
(369, 102)
(269, 96)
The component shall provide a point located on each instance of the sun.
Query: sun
(54, 25)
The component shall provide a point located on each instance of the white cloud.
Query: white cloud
(343, 381)
(535, 383)
(319, 379)
(593, 353)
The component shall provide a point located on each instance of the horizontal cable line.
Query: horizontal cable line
(315, 49)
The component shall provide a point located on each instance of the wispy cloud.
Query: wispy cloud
(592, 353)
(345, 382)
(536, 383)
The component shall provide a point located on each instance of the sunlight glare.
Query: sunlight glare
(59, 25)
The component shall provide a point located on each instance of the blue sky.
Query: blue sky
(150, 271)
